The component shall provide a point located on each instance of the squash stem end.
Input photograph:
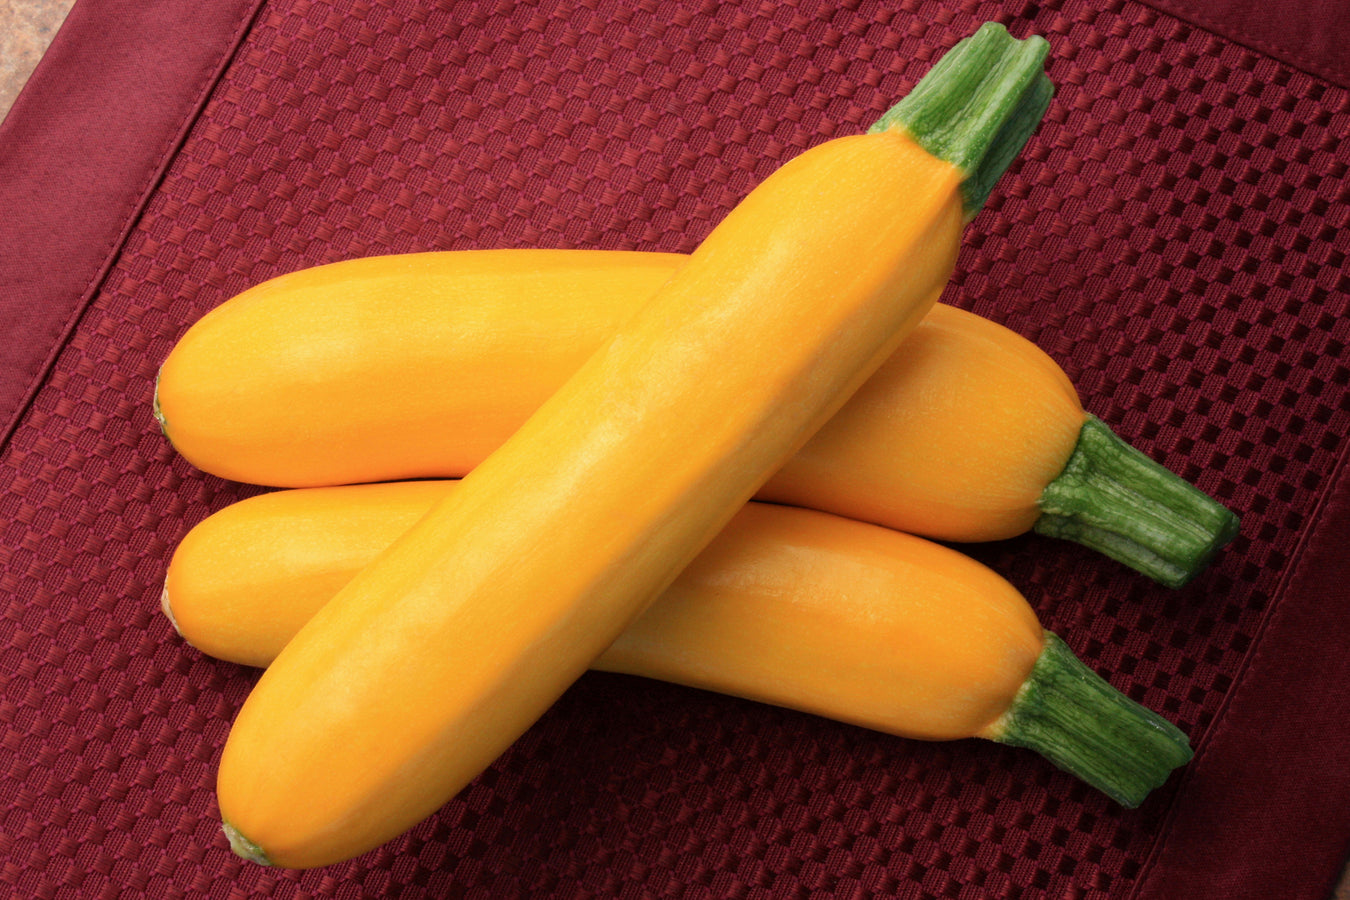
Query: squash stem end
(1078, 721)
(977, 107)
(1115, 500)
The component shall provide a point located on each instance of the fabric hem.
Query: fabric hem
(90, 83)
(1246, 745)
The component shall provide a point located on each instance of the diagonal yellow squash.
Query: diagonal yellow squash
(447, 647)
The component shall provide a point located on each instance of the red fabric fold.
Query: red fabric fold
(83, 145)
(1312, 35)
(1266, 793)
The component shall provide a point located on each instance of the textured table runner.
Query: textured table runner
(1175, 236)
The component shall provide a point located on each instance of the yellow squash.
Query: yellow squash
(407, 366)
(420, 365)
(787, 606)
(453, 641)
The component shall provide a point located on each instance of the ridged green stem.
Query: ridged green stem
(977, 107)
(1074, 718)
(1117, 501)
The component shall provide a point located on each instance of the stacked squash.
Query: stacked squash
(501, 468)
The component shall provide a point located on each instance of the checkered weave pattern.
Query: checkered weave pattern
(1175, 236)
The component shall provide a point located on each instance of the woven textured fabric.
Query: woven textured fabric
(1175, 236)
(1310, 35)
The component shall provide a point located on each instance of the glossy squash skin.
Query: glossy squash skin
(405, 366)
(955, 437)
(420, 365)
(447, 647)
(788, 606)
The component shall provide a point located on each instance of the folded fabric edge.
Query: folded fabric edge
(81, 150)
(1261, 809)
(1309, 37)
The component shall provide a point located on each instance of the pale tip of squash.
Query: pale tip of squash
(156, 410)
(243, 847)
(168, 608)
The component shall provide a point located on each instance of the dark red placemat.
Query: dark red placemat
(1175, 236)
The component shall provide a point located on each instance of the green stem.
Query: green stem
(977, 107)
(1114, 499)
(1074, 718)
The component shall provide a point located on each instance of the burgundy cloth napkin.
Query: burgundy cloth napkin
(1175, 236)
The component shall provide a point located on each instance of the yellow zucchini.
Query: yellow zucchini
(449, 645)
(786, 606)
(408, 366)
(420, 365)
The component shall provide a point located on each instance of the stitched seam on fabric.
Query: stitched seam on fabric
(1279, 53)
(1219, 726)
(60, 336)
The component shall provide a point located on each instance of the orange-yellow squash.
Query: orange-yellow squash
(455, 639)
(420, 365)
(794, 607)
